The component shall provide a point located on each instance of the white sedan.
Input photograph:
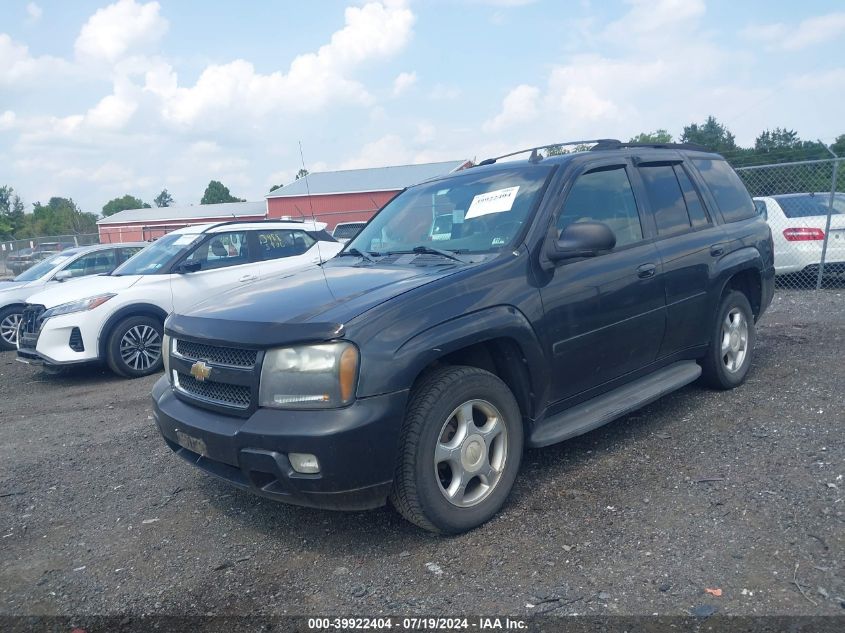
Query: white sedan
(798, 222)
(118, 318)
(68, 264)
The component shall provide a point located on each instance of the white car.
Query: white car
(798, 222)
(69, 264)
(118, 318)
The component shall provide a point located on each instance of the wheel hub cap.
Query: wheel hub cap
(734, 346)
(471, 452)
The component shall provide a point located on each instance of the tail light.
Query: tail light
(803, 234)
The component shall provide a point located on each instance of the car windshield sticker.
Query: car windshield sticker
(492, 202)
(458, 216)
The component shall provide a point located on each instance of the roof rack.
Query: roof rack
(535, 155)
(613, 144)
(599, 144)
(268, 220)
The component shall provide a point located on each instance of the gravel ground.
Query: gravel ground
(739, 491)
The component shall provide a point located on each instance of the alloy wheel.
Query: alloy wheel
(734, 347)
(471, 452)
(140, 347)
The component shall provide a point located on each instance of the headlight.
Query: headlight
(309, 377)
(165, 356)
(80, 305)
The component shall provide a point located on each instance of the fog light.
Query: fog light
(305, 463)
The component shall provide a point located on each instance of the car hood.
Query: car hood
(5, 285)
(309, 305)
(74, 289)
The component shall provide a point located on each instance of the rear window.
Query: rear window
(731, 195)
(348, 230)
(810, 205)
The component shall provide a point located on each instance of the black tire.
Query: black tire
(6, 315)
(417, 493)
(715, 368)
(125, 329)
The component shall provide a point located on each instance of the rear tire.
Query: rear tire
(134, 347)
(10, 319)
(461, 445)
(732, 339)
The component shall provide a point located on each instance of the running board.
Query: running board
(607, 407)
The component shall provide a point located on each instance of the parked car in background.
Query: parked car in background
(345, 231)
(23, 259)
(798, 222)
(117, 318)
(68, 264)
(570, 291)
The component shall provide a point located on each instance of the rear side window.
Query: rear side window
(667, 199)
(697, 214)
(279, 243)
(731, 196)
(604, 196)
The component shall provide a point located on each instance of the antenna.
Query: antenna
(313, 217)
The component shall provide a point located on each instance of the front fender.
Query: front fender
(399, 369)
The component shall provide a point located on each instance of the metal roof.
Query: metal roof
(188, 212)
(363, 180)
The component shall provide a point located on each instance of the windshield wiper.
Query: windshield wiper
(429, 250)
(356, 253)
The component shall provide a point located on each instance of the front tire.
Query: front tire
(134, 347)
(461, 445)
(731, 349)
(10, 319)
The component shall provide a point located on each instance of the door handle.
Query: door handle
(248, 278)
(717, 250)
(646, 270)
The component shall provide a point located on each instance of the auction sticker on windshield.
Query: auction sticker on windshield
(492, 202)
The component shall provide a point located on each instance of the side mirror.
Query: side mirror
(188, 267)
(62, 275)
(581, 239)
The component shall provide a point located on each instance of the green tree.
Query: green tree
(12, 216)
(274, 187)
(658, 136)
(711, 134)
(61, 216)
(301, 173)
(777, 139)
(122, 204)
(216, 192)
(164, 199)
(838, 146)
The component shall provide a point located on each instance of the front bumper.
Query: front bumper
(50, 345)
(356, 447)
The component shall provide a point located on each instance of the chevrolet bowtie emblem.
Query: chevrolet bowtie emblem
(200, 370)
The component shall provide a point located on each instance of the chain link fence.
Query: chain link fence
(804, 203)
(18, 255)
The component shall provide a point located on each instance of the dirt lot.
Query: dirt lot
(739, 491)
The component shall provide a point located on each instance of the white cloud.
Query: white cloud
(33, 12)
(402, 82)
(809, 32)
(120, 28)
(374, 31)
(519, 105)
(7, 120)
(18, 66)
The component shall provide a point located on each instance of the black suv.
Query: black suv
(568, 291)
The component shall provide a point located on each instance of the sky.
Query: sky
(101, 99)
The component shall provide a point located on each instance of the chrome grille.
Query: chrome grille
(231, 356)
(227, 395)
(30, 320)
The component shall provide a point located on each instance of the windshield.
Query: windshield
(157, 255)
(479, 212)
(43, 267)
(810, 204)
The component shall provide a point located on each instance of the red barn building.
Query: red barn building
(351, 195)
(148, 224)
